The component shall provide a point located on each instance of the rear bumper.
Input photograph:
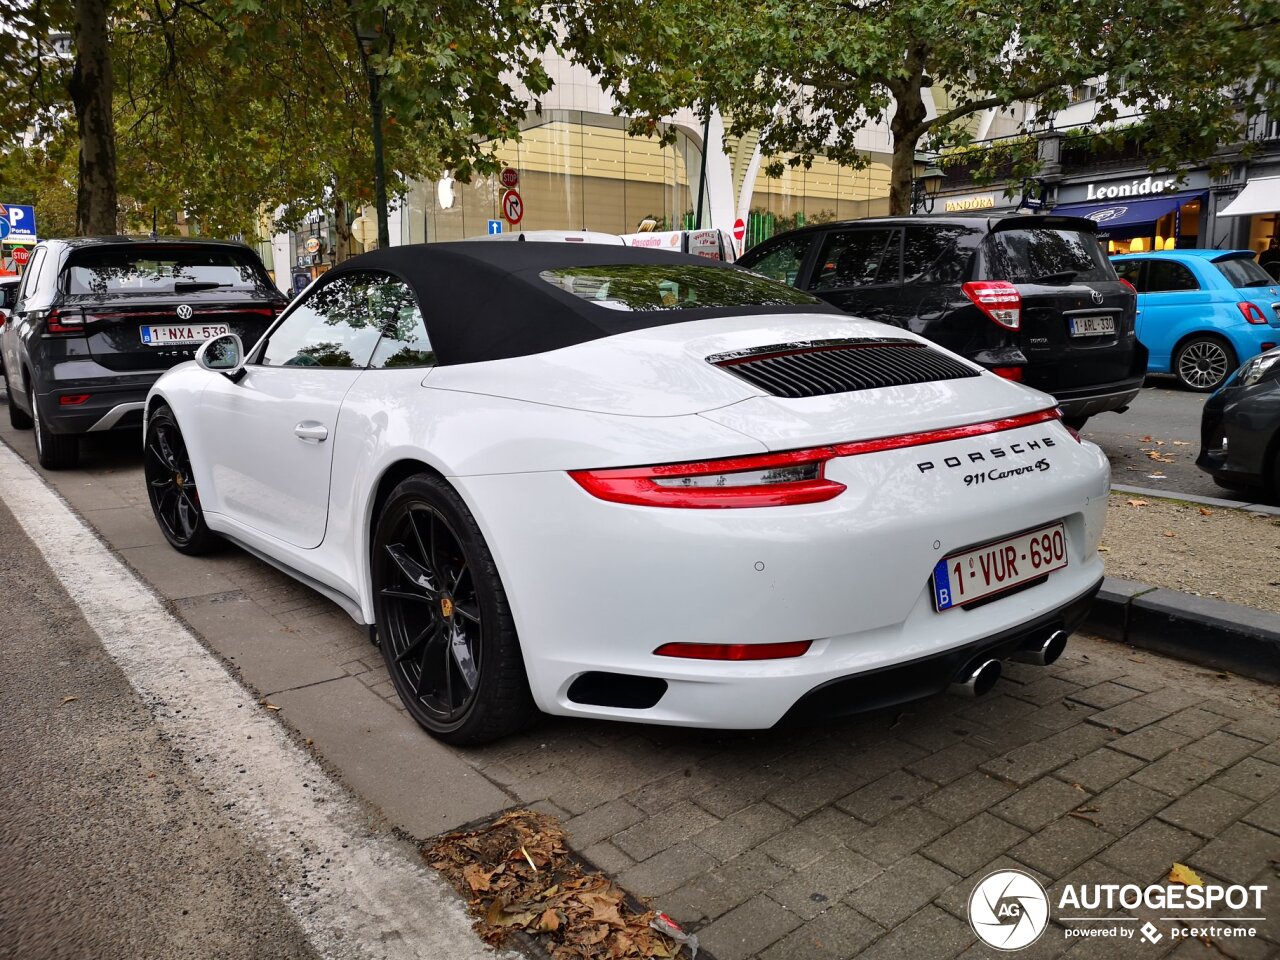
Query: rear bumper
(110, 406)
(903, 682)
(1098, 398)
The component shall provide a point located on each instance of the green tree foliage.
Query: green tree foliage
(810, 74)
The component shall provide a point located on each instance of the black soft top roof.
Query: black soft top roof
(487, 301)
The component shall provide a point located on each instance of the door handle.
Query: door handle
(311, 431)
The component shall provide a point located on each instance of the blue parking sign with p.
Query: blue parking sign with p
(495, 227)
(17, 223)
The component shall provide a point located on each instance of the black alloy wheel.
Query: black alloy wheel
(171, 487)
(54, 451)
(18, 419)
(444, 624)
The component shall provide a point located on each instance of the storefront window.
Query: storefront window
(821, 193)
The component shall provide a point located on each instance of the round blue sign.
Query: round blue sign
(4, 227)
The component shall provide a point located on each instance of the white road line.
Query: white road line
(354, 893)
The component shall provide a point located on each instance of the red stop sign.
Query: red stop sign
(21, 255)
(739, 229)
(509, 177)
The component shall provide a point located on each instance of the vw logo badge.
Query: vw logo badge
(1008, 910)
(184, 312)
(1097, 297)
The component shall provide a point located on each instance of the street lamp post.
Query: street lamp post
(369, 35)
(925, 187)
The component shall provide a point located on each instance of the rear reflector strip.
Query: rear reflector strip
(766, 480)
(735, 651)
(1009, 373)
(73, 399)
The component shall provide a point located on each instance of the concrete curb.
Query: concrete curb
(1192, 498)
(1213, 633)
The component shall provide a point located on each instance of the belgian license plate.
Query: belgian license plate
(971, 575)
(177, 335)
(1092, 326)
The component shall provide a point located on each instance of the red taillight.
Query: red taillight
(771, 479)
(1252, 312)
(735, 651)
(767, 480)
(945, 434)
(1009, 373)
(1128, 284)
(998, 299)
(73, 399)
(64, 322)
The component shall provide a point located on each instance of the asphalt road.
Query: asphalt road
(1165, 421)
(107, 848)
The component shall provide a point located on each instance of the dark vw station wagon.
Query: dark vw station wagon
(1032, 298)
(97, 320)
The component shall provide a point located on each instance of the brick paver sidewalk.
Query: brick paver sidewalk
(865, 837)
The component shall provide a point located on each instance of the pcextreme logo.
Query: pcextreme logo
(1009, 910)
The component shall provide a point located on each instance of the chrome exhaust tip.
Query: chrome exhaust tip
(976, 679)
(1042, 652)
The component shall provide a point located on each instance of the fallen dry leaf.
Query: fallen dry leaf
(1181, 873)
(1182, 443)
(1206, 512)
(1138, 503)
(1170, 533)
(66, 700)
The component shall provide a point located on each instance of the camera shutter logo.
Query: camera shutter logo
(184, 312)
(1008, 910)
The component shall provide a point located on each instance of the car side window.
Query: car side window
(334, 326)
(784, 260)
(404, 341)
(937, 254)
(1169, 275)
(1131, 270)
(856, 258)
(28, 285)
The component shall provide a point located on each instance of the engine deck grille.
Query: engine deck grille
(820, 368)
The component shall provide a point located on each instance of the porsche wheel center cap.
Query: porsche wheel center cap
(446, 607)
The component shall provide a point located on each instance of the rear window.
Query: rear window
(678, 286)
(1244, 272)
(1043, 254)
(162, 270)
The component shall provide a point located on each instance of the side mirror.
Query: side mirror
(224, 354)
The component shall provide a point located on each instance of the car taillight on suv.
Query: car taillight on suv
(998, 299)
(64, 322)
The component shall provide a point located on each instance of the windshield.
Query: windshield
(168, 269)
(1041, 254)
(1244, 272)
(678, 286)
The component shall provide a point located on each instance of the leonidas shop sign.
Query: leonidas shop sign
(1134, 188)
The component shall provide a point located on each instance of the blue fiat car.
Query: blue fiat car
(1202, 313)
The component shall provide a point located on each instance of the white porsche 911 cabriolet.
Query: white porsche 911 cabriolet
(616, 483)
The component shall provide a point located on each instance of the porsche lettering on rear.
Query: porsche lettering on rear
(990, 453)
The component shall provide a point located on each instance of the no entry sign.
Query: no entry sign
(739, 229)
(512, 207)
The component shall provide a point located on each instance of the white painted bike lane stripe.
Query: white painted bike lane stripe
(355, 893)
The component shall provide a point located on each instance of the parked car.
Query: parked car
(8, 294)
(617, 483)
(712, 243)
(1030, 297)
(1240, 428)
(1201, 313)
(97, 320)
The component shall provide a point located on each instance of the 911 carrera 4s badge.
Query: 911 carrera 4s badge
(971, 575)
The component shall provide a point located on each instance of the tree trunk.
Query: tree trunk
(905, 125)
(91, 94)
(342, 246)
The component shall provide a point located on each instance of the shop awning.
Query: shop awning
(1258, 196)
(1124, 214)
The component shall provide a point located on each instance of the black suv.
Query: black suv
(97, 320)
(1032, 298)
